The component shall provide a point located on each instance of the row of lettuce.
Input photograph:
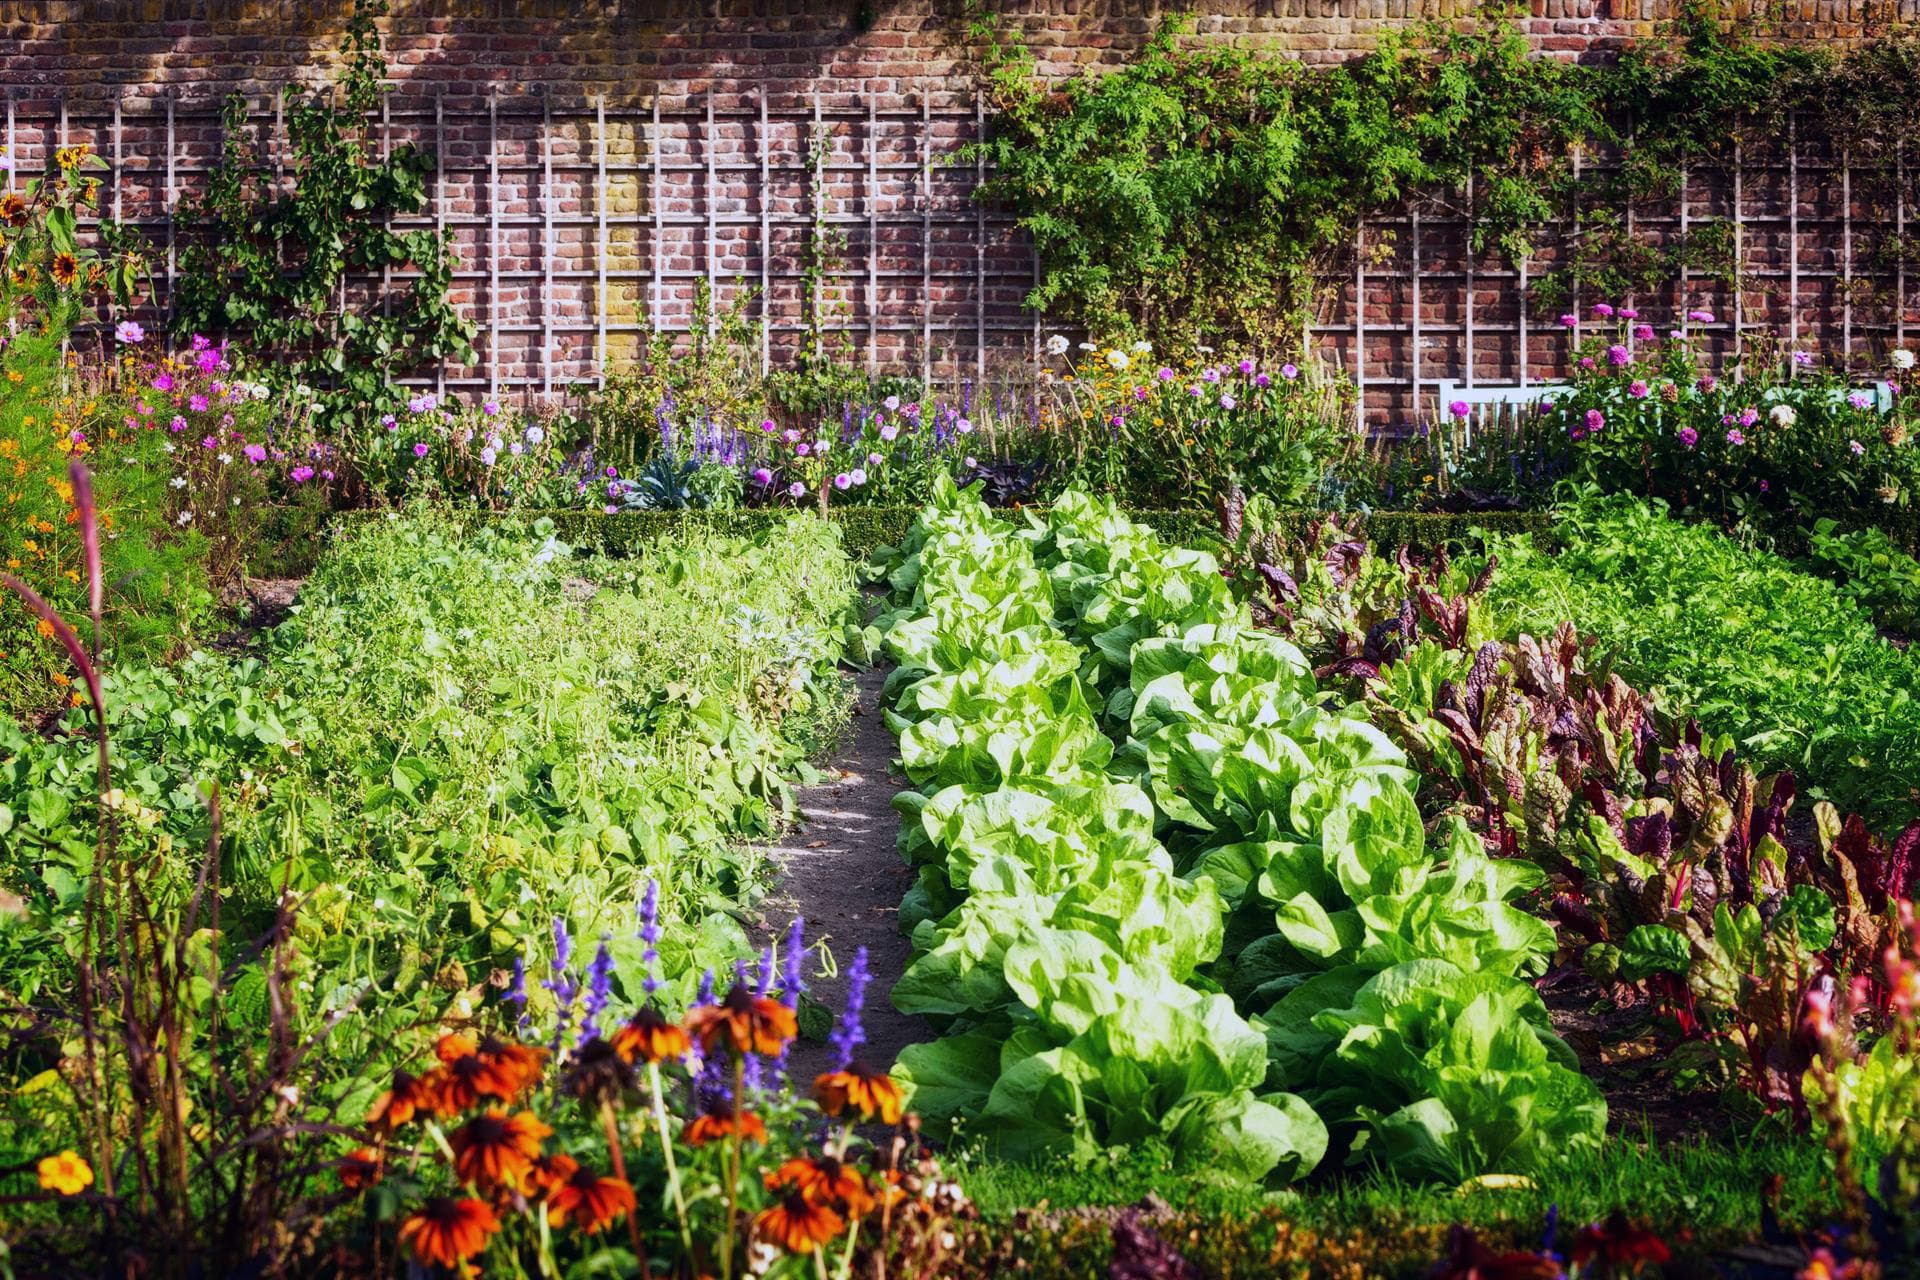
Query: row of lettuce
(1168, 891)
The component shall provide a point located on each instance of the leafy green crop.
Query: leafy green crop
(1740, 639)
(1141, 941)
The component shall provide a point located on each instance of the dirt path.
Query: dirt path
(842, 872)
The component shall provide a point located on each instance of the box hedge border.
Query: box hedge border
(867, 529)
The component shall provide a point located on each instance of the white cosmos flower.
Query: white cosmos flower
(1783, 415)
(1142, 348)
(1902, 358)
(1089, 346)
(1056, 345)
(1117, 358)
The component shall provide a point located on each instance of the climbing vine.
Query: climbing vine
(1203, 192)
(268, 259)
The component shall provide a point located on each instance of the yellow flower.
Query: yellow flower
(66, 1173)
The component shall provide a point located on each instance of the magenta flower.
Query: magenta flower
(1227, 402)
(1596, 420)
(1734, 436)
(1602, 309)
(1700, 317)
(1628, 313)
(129, 332)
(1860, 400)
(1689, 437)
(1803, 358)
(1246, 366)
(1164, 374)
(843, 481)
(1637, 389)
(163, 381)
(1260, 380)
(1856, 448)
(1706, 384)
(1568, 320)
(1749, 416)
(1618, 355)
(1586, 362)
(300, 475)
(1289, 371)
(420, 449)
(796, 489)
(1643, 333)
(1459, 409)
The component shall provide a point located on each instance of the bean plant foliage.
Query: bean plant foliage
(266, 260)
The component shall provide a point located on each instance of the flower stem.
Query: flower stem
(673, 1168)
(620, 1171)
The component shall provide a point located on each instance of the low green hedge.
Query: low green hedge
(866, 529)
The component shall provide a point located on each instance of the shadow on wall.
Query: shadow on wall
(100, 48)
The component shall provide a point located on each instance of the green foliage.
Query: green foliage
(266, 261)
(1867, 565)
(459, 735)
(1201, 191)
(1780, 659)
(1053, 937)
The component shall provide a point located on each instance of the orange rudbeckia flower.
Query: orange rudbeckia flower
(721, 1121)
(491, 1068)
(445, 1232)
(360, 1168)
(408, 1096)
(548, 1172)
(823, 1180)
(495, 1149)
(590, 1201)
(798, 1225)
(651, 1038)
(867, 1091)
(750, 1023)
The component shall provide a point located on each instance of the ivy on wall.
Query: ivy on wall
(1202, 192)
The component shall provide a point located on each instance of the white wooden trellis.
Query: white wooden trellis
(508, 153)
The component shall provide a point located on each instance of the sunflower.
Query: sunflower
(868, 1091)
(360, 1168)
(720, 1120)
(445, 1232)
(66, 268)
(797, 1225)
(408, 1096)
(497, 1149)
(750, 1023)
(651, 1038)
(823, 1180)
(591, 1201)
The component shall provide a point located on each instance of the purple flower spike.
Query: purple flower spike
(793, 981)
(517, 991)
(650, 934)
(599, 990)
(848, 1033)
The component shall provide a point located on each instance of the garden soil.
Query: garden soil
(841, 871)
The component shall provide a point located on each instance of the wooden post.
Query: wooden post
(713, 235)
(873, 236)
(546, 244)
(1466, 253)
(1360, 325)
(600, 243)
(656, 296)
(493, 244)
(440, 204)
(1793, 238)
(926, 239)
(1739, 258)
(979, 246)
(766, 236)
(1846, 258)
(1413, 270)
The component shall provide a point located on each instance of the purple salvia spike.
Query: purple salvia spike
(793, 980)
(517, 992)
(650, 934)
(849, 1034)
(599, 990)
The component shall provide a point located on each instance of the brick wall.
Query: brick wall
(601, 158)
